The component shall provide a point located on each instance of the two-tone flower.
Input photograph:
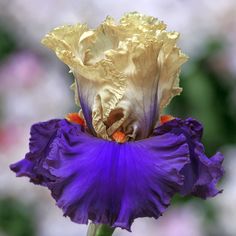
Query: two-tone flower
(118, 159)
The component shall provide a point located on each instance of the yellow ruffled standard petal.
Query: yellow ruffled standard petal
(64, 41)
(125, 73)
(169, 60)
(143, 23)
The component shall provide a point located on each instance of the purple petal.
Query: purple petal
(86, 94)
(101, 180)
(202, 173)
(42, 135)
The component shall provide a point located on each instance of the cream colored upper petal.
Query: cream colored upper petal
(109, 83)
(125, 73)
(137, 23)
(170, 60)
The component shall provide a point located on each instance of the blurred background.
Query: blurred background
(34, 86)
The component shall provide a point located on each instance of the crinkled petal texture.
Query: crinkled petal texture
(125, 73)
(112, 183)
(101, 180)
(202, 173)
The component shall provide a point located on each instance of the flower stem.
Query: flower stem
(99, 230)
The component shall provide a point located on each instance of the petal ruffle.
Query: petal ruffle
(130, 68)
(104, 181)
(202, 173)
(41, 137)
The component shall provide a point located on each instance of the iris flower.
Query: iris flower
(119, 158)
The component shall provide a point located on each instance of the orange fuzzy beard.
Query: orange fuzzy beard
(75, 118)
(119, 137)
(165, 118)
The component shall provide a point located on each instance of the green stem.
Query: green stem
(100, 230)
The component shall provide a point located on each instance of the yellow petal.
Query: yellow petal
(125, 73)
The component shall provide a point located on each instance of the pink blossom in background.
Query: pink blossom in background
(10, 135)
(179, 221)
(21, 69)
(183, 221)
(26, 86)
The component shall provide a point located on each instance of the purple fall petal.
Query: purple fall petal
(101, 180)
(112, 183)
(202, 173)
(41, 136)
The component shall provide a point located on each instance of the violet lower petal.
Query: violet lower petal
(41, 137)
(202, 173)
(104, 181)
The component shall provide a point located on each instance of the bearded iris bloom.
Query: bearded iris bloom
(118, 158)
